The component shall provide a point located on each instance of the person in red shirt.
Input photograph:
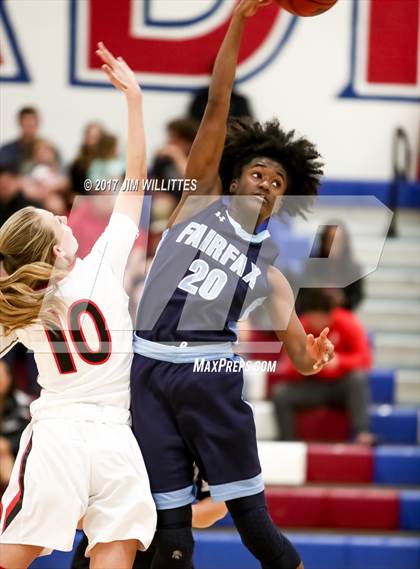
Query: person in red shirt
(341, 383)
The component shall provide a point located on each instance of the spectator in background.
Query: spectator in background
(88, 151)
(17, 153)
(239, 105)
(12, 194)
(107, 165)
(14, 415)
(341, 383)
(89, 218)
(45, 182)
(335, 245)
(171, 160)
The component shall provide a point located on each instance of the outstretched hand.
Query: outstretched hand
(249, 8)
(118, 72)
(320, 349)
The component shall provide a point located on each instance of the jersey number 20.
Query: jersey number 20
(59, 343)
(213, 281)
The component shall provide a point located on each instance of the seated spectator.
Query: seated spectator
(88, 151)
(14, 414)
(12, 192)
(335, 245)
(341, 383)
(17, 153)
(107, 165)
(45, 181)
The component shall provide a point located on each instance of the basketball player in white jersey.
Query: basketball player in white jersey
(78, 457)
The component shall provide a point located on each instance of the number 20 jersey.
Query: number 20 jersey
(207, 274)
(87, 358)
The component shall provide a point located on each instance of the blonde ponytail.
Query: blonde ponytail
(27, 291)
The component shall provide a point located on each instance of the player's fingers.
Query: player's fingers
(124, 65)
(122, 62)
(324, 333)
(310, 339)
(254, 6)
(110, 74)
(107, 70)
(331, 353)
(114, 79)
(101, 54)
(328, 349)
(105, 54)
(105, 51)
(327, 354)
(317, 365)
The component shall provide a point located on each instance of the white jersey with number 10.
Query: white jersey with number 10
(87, 358)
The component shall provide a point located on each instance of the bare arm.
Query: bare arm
(206, 512)
(130, 197)
(307, 353)
(206, 151)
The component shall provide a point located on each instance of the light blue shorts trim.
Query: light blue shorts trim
(175, 499)
(181, 354)
(239, 489)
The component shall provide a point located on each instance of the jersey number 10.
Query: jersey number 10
(59, 343)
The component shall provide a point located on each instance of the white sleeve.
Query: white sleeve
(7, 342)
(116, 242)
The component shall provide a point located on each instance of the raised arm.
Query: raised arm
(130, 196)
(206, 151)
(308, 354)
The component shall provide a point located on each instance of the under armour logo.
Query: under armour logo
(177, 554)
(220, 216)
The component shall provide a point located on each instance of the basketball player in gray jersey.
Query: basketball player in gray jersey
(213, 266)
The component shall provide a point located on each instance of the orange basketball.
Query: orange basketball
(306, 7)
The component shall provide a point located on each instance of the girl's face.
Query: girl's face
(67, 245)
(262, 182)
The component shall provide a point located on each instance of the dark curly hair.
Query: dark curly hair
(299, 157)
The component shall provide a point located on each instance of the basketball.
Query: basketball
(306, 7)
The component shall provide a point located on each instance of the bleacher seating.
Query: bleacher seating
(389, 421)
(339, 463)
(397, 465)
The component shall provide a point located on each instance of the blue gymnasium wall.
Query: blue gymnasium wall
(408, 192)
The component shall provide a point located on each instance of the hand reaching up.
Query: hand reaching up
(118, 72)
(249, 8)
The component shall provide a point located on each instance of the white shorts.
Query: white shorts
(75, 461)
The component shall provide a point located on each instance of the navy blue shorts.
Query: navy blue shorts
(181, 416)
